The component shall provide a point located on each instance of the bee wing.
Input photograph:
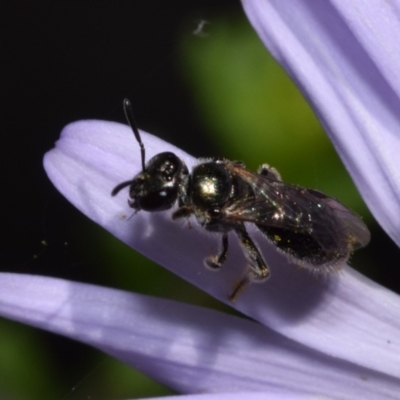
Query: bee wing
(281, 205)
(353, 224)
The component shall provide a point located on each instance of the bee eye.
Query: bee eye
(158, 201)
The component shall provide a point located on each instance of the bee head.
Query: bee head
(157, 186)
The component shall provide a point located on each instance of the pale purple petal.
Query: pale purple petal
(345, 57)
(188, 348)
(271, 394)
(346, 316)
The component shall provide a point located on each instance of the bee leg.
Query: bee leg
(182, 212)
(215, 262)
(270, 172)
(239, 163)
(258, 270)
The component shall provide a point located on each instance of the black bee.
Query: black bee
(314, 230)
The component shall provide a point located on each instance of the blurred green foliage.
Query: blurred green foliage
(28, 376)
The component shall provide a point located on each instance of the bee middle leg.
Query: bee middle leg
(258, 270)
(215, 262)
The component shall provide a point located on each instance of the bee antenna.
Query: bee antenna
(131, 120)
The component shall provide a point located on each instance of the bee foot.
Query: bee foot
(258, 276)
(212, 263)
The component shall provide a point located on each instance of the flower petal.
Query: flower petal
(272, 394)
(345, 59)
(189, 348)
(346, 316)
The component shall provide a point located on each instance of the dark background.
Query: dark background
(66, 61)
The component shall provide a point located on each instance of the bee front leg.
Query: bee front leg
(215, 262)
(258, 270)
(182, 212)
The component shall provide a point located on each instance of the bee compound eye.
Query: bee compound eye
(158, 201)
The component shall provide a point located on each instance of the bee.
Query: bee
(312, 229)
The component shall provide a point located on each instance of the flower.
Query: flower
(337, 338)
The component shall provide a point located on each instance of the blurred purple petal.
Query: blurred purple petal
(188, 348)
(271, 394)
(345, 56)
(346, 315)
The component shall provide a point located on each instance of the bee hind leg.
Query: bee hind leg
(258, 270)
(268, 171)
